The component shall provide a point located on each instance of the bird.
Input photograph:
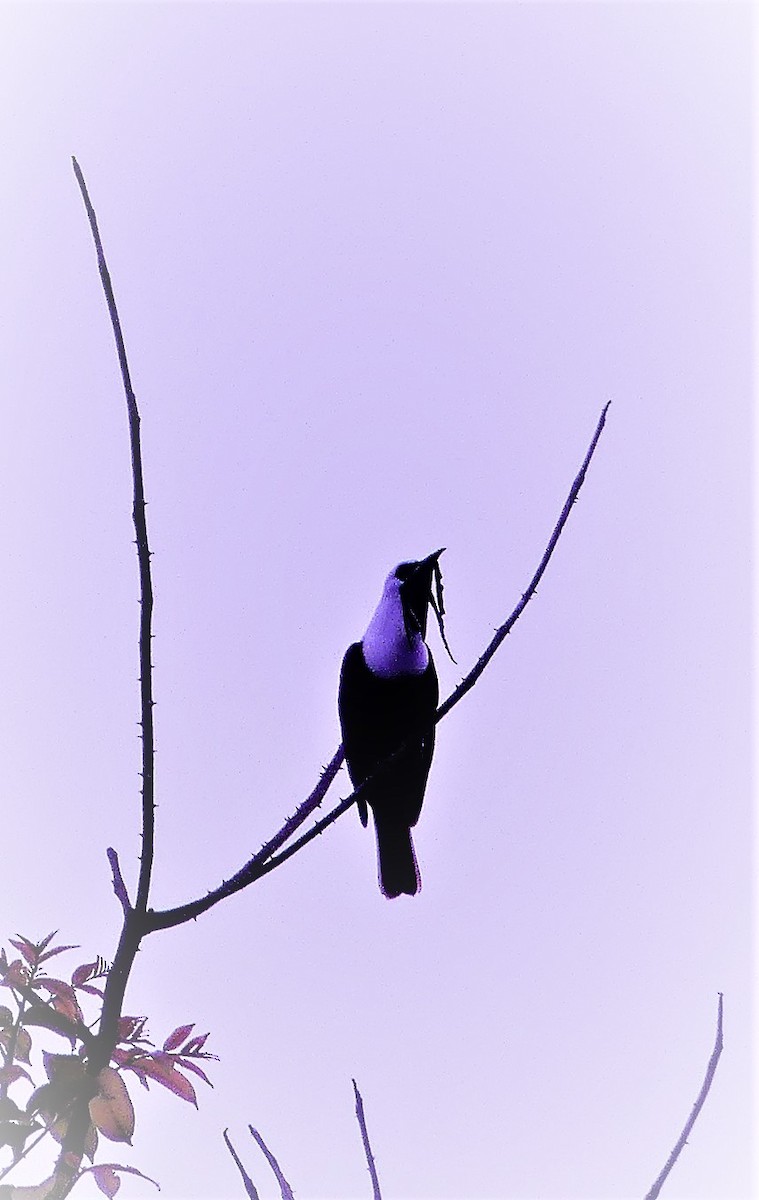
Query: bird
(387, 701)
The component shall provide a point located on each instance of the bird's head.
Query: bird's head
(414, 581)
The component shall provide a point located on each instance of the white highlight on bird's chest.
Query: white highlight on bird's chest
(386, 646)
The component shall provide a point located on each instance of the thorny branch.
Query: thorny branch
(265, 860)
(133, 929)
(143, 556)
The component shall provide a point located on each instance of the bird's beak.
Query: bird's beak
(430, 560)
(416, 592)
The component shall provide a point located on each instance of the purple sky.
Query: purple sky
(379, 268)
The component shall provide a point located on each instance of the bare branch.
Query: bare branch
(119, 886)
(284, 1186)
(365, 1139)
(254, 867)
(266, 859)
(250, 1187)
(143, 557)
(469, 680)
(710, 1069)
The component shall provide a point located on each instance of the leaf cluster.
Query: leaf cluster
(39, 1001)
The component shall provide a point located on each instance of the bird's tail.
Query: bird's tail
(398, 868)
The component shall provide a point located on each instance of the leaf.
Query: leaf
(164, 1071)
(16, 974)
(91, 990)
(196, 1044)
(46, 940)
(93, 970)
(57, 988)
(131, 1028)
(111, 1110)
(177, 1037)
(10, 1074)
(27, 948)
(23, 1044)
(107, 1180)
(56, 950)
(91, 1142)
(64, 997)
(41, 1014)
(6, 1017)
(187, 1065)
(65, 1069)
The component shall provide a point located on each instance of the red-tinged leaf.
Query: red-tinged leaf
(56, 950)
(27, 948)
(107, 1170)
(59, 1128)
(106, 1179)
(10, 1074)
(177, 1037)
(188, 1065)
(91, 1142)
(57, 987)
(23, 1044)
(65, 1069)
(46, 940)
(92, 991)
(165, 1072)
(130, 1029)
(196, 1044)
(68, 1008)
(94, 970)
(111, 1110)
(16, 974)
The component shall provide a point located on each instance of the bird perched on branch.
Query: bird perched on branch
(387, 701)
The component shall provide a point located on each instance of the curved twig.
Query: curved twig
(143, 556)
(284, 1186)
(710, 1069)
(469, 680)
(250, 1188)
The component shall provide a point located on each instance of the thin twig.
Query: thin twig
(710, 1069)
(250, 1187)
(133, 928)
(119, 886)
(266, 860)
(284, 1186)
(254, 867)
(469, 680)
(143, 556)
(365, 1139)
